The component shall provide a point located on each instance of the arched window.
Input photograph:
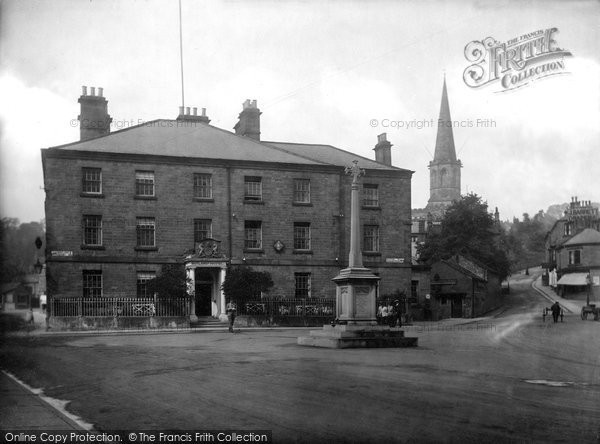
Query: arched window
(443, 178)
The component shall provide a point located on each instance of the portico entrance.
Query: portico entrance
(206, 269)
(204, 294)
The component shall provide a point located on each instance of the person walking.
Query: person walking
(555, 311)
(230, 310)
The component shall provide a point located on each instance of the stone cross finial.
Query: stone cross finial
(355, 171)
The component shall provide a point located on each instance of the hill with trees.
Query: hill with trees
(17, 248)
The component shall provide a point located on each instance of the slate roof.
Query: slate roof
(200, 140)
(587, 236)
(451, 263)
(330, 155)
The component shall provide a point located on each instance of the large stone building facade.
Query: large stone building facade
(573, 250)
(121, 205)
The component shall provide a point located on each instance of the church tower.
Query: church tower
(444, 169)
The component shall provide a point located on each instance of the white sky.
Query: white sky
(320, 72)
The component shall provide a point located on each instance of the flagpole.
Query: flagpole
(181, 56)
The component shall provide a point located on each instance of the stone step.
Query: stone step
(374, 342)
(333, 333)
(208, 321)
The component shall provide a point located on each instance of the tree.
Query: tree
(468, 229)
(18, 252)
(242, 283)
(171, 282)
(527, 239)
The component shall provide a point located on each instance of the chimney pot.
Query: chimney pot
(382, 137)
(203, 112)
(84, 90)
(100, 91)
(187, 110)
(93, 91)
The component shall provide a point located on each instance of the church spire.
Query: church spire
(444, 169)
(444, 144)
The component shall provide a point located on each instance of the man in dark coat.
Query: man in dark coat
(555, 311)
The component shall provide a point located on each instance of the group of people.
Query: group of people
(390, 314)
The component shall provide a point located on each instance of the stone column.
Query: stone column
(356, 293)
(355, 256)
(222, 302)
(191, 291)
(356, 285)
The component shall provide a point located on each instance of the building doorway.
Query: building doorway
(204, 291)
(457, 309)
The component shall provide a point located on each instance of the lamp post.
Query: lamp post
(38, 267)
(588, 280)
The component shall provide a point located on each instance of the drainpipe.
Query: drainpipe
(341, 220)
(472, 298)
(230, 214)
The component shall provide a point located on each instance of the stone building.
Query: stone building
(462, 287)
(573, 249)
(120, 205)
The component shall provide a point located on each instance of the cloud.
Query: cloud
(32, 118)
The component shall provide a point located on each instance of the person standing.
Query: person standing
(230, 309)
(384, 314)
(397, 313)
(555, 311)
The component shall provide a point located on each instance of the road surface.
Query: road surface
(508, 378)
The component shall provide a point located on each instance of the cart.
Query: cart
(590, 309)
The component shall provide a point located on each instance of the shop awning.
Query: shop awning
(573, 279)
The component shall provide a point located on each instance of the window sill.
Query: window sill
(302, 204)
(253, 250)
(302, 252)
(93, 247)
(203, 199)
(367, 207)
(96, 195)
(371, 253)
(144, 197)
(254, 202)
(146, 248)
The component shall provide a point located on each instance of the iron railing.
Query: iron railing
(119, 307)
(288, 307)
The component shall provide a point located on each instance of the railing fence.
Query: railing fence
(119, 307)
(288, 307)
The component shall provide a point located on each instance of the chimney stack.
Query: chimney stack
(249, 121)
(383, 150)
(192, 116)
(94, 120)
